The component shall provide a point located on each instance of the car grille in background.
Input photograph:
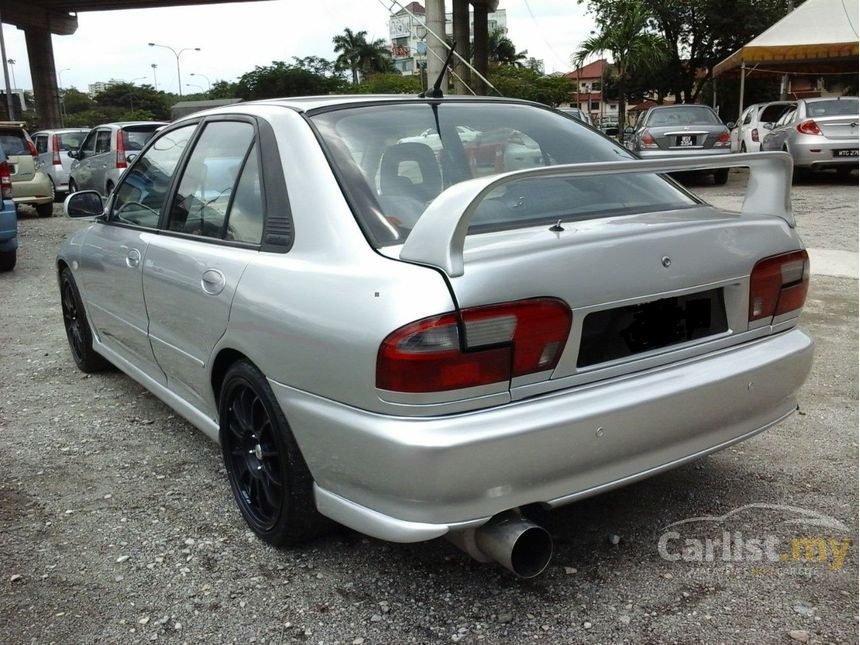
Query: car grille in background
(626, 331)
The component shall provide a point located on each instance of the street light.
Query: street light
(177, 54)
(204, 77)
(11, 61)
(154, 76)
(61, 96)
(199, 87)
(131, 91)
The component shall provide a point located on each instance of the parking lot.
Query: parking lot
(117, 523)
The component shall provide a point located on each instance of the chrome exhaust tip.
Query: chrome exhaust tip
(518, 544)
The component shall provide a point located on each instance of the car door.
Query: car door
(81, 168)
(777, 139)
(193, 267)
(101, 160)
(113, 251)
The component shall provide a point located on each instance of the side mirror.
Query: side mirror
(131, 157)
(767, 126)
(73, 154)
(730, 125)
(87, 203)
(628, 130)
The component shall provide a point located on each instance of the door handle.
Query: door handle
(213, 282)
(132, 258)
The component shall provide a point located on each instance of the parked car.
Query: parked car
(576, 113)
(53, 147)
(680, 130)
(30, 183)
(417, 346)
(8, 218)
(430, 137)
(753, 124)
(104, 154)
(819, 134)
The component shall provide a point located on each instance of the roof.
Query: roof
(592, 70)
(307, 103)
(817, 32)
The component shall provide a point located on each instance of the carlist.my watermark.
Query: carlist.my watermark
(803, 543)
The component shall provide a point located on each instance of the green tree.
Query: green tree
(224, 90)
(89, 118)
(502, 51)
(126, 96)
(525, 83)
(359, 56)
(75, 101)
(623, 33)
(388, 84)
(284, 79)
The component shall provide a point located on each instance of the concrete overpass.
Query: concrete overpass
(41, 18)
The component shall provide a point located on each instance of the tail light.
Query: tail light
(808, 127)
(724, 139)
(778, 285)
(754, 135)
(120, 150)
(647, 140)
(5, 181)
(483, 345)
(55, 147)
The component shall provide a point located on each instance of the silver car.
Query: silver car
(667, 131)
(754, 124)
(417, 345)
(105, 153)
(53, 147)
(819, 134)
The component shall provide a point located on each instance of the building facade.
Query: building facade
(408, 37)
(100, 86)
(588, 92)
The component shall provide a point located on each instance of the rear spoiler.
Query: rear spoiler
(438, 237)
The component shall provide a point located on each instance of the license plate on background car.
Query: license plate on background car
(685, 141)
(845, 153)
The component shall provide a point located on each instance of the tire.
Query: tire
(45, 210)
(844, 173)
(721, 176)
(54, 196)
(8, 259)
(77, 327)
(269, 478)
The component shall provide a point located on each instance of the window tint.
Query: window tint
(141, 194)
(245, 223)
(135, 137)
(71, 140)
(89, 143)
(41, 142)
(209, 179)
(772, 113)
(683, 115)
(748, 115)
(832, 107)
(102, 141)
(13, 143)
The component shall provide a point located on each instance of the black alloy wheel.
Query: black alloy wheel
(77, 327)
(268, 475)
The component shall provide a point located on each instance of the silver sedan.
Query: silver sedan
(419, 343)
(819, 134)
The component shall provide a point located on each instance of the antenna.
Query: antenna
(436, 91)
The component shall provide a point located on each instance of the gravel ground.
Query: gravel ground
(117, 524)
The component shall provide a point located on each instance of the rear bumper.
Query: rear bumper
(818, 153)
(411, 479)
(680, 154)
(60, 177)
(35, 191)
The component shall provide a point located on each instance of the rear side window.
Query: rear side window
(13, 143)
(102, 141)
(208, 185)
(71, 140)
(41, 142)
(142, 192)
(136, 137)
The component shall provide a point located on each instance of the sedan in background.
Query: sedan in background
(819, 134)
(53, 147)
(754, 124)
(105, 153)
(667, 131)
(415, 344)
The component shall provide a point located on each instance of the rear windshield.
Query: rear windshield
(772, 113)
(683, 115)
(13, 143)
(137, 136)
(832, 108)
(393, 160)
(71, 140)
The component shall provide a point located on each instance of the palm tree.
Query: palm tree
(633, 49)
(501, 49)
(360, 56)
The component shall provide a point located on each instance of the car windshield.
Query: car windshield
(13, 143)
(682, 115)
(393, 160)
(136, 137)
(71, 140)
(836, 107)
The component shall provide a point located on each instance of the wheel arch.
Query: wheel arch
(224, 359)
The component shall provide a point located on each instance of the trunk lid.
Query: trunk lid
(839, 128)
(22, 166)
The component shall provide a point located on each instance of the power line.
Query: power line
(540, 31)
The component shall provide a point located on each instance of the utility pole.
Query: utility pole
(10, 106)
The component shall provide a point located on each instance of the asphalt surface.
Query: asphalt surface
(117, 524)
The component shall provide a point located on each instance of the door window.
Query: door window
(210, 178)
(141, 194)
(41, 143)
(748, 116)
(245, 223)
(102, 141)
(88, 147)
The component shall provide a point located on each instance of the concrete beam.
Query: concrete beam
(25, 15)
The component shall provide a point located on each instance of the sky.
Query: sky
(234, 38)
